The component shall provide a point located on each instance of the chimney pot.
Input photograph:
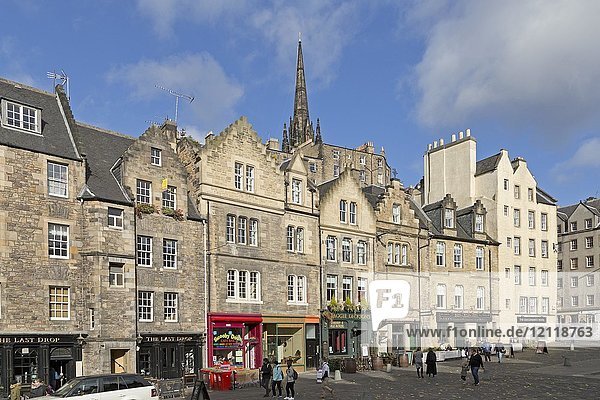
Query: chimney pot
(441, 142)
(460, 135)
(453, 137)
(435, 144)
(468, 132)
(429, 146)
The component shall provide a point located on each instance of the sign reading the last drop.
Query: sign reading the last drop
(389, 300)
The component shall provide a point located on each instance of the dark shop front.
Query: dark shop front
(52, 358)
(168, 356)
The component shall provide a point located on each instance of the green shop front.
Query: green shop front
(346, 334)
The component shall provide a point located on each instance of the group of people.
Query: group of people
(272, 378)
(430, 361)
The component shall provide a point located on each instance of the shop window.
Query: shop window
(338, 341)
(25, 364)
(144, 361)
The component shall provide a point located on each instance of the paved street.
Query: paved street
(529, 376)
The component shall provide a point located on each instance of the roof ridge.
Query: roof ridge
(104, 130)
(24, 86)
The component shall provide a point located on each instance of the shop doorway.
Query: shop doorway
(118, 361)
(168, 362)
(311, 353)
(61, 365)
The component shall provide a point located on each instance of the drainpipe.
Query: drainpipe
(205, 347)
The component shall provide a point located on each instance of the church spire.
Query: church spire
(318, 138)
(285, 144)
(301, 119)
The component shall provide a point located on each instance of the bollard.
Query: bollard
(388, 367)
(566, 363)
(338, 375)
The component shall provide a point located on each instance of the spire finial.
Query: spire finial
(299, 36)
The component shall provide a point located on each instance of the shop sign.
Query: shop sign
(356, 316)
(227, 340)
(168, 338)
(531, 319)
(460, 317)
(337, 325)
(32, 339)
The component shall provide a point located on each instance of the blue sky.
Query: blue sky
(524, 76)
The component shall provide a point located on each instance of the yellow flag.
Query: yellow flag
(165, 183)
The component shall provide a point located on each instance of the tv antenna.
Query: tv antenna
(177, 97)
(64, 80)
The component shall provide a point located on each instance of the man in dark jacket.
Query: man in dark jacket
(430, 360)
(266, 372)
(475, 363)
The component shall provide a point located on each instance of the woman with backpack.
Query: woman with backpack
(277, 378)
(291, 376)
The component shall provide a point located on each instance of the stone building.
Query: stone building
(518, 216)
(77, 242)
(263, 248)
(462, 275)
(347, 231)
(578, 261)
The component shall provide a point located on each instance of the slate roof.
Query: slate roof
(544, 198)
(103, 149)
(373, 194)
(592, 204)
(325, 186)
(487, 164)
(424, 220)
(55, 139)
(193, 213)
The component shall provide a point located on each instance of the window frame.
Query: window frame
(440, 255)
(169, 198)
(116, 273)
(58, 300)
(250, 178)
(361, 252)
(347, 286)
(346, 250)
(145, 305)
(299, 240)
(230, 228)
(458, 255)
(142, 253)
(155, 156)
(331, 248)
(22, 116)
(352, 211)
(296, 191)
(169, 254)
(171, 307)
(396, 213)
(114, 218)
(60, 182)
(343, 211)
(479, 258)
(59, 241)
(140, 191)
(331, 287)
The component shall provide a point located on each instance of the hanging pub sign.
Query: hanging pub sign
(227, 340)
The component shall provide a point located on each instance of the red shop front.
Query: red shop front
(235, 339)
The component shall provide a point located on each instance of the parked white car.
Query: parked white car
(108, 387)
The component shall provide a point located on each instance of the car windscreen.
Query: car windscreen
(66, 388)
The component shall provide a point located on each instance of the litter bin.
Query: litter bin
(378, 364)
(222, 380)
(350, 366)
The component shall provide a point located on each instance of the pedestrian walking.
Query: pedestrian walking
(266, 372)
(487, 350)
(277, 378)
(431, 363)
(291, 376)
(418, 362)
(475, 362)
(500, 351)
(325, 370)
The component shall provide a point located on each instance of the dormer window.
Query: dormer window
(363, 160)
(335, 154)
(479, 223)
(396, 213)
(448, 218)
(156, 156)
(21, 117)
(296, 191)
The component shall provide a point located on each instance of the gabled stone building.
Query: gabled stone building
(578, 264)
(263, 248)
(105, 262)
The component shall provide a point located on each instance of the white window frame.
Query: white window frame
(361, 289)
(517, 192)
(396, 213)
(347, 283)
(545, 306)
(300, 239)
(479, 223)
(574, 281)
(58, 179)
(237, 175)
(532, 276)
(60, 308)
(296, 191)
(440, 297)
(544, 277)
(574, 263)
(480, 299)
(296, 293)
(361, 252)
(440, 254)
(531, 247)
(590, 280)
(92, 316)
(533, 306)
(589, 261)
(331, 248)
(331, 287)
(290, 241)
(242, 230)
(589, 242)
(587, 223)
(253, 232)
(573, 244)
(19, 116)
(479, 258)
(448, 218)
(517, 217)
(230, 232)
(169, 253)
(523, 304)
(143, 191)
(544, 221)
(404, 254)
(362, 175)
(459, 296)
(144, 251)
(517, 273)
(169, 198)
(573, 226)
(575, 301)
(336, 170)
(589, 300)
(115, 217)
(58, 241)
(145, 306)
(171, 306)
(250, 178)
(517, 245)
(352, 213)
(530, 194)
(544, 249)
(531, 219)
(458, 258)
(346, 250)
(155, 156)
(363, 160)
(116, 275)
(343, 211)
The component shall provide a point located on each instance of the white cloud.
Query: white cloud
(585, 160)
(14, 58)
(198, 75)
(521, 64)
(328, 26)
